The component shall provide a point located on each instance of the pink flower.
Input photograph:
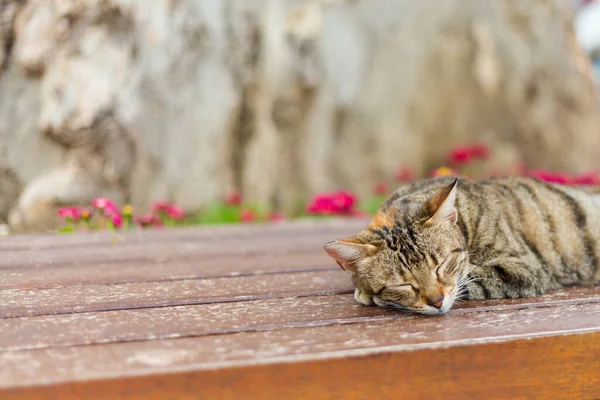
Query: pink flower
(321, 204)
(233, 199)
(381, 189)
(404, 174)
(103, 203)
(170, 209)
(247, 216)
(344, 201)
(117, 220)
(332, 203)
(590, 178)
(71, 213)
(175, 212)
(276, 216)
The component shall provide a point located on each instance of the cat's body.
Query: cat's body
(438, 239)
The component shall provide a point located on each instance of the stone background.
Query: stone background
(188, 100)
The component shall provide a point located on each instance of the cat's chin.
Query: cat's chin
(427, 310)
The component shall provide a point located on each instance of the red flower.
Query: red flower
(480, 150)
(344, 201)
(233, 199)
(276, 216)
(321, 204)
(551, 177)
(72, 213)
(590, 178)
(461, 155)
(170, 209)
(332, 203)
(247, 216)
(148, 220)
(404, 174)
(381, 189)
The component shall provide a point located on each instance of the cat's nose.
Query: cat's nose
(435, 301)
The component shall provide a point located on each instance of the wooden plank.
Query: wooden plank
(556, 367)
(156, 271)
(296, 345)
(335, 227)
(162, 251)
(226, 318)
(182, 321)
(85, 298)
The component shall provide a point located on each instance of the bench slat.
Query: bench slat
(225, 318)
(292, 345)
(556, 367)
(165, 252)
(71, 299)
(155, 271)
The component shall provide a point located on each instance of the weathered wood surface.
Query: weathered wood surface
(260, 312)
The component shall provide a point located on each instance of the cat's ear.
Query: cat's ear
(347, 252)
(442, 206)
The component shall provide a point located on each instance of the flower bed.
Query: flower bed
(104, 214)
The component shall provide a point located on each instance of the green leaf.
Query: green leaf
(66, 229)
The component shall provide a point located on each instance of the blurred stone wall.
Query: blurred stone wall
(187, 100)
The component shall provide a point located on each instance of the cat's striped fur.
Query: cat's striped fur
(436, 240)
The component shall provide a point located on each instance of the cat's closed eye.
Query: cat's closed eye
(398, 292)
(441, 269)
(405, 286)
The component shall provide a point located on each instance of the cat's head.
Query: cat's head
(412, 256)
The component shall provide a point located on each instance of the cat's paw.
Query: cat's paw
(363, 298)
(475, 291)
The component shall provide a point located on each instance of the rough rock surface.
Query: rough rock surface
(189, 99)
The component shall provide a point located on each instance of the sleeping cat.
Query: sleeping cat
(436, 240)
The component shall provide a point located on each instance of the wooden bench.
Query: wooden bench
(261, 312)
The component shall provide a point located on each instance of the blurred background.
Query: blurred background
(195, 101)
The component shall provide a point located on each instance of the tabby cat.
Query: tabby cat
(437, 240)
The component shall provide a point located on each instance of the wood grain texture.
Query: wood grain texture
(556, 367)
(161, 251)
(76, 299)
(163, 270)
(519, 369)
(225, 318)
(292, 344)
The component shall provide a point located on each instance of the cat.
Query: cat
(437, 240)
